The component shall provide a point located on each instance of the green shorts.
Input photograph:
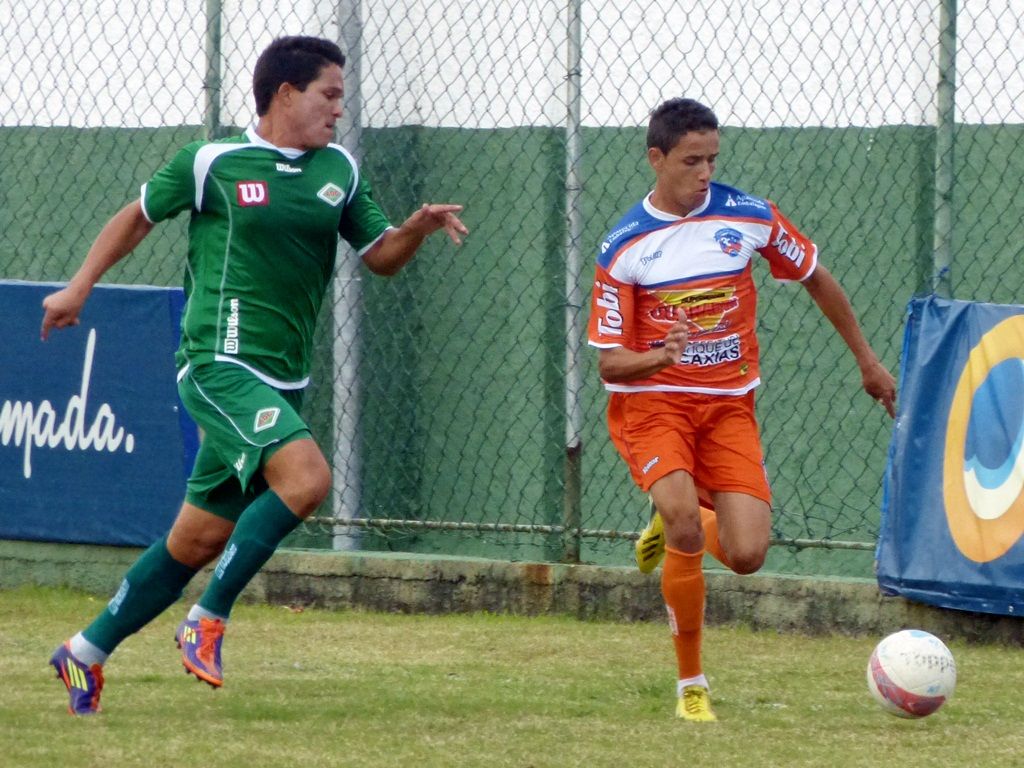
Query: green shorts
(244, 421)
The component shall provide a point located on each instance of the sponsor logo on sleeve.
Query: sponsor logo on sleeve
(616, 234)
(609, 318)
(788, 246)
(252, 193)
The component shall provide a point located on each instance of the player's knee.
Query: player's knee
(747, 560)
(309, 488)
(300, 476)
(682, 526)
(196, 548)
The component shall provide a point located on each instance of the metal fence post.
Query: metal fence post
(346, 294)
(212, 80)
(572, 515)
(945, 127)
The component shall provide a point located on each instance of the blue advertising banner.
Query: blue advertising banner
(94, 444)
(953, 508)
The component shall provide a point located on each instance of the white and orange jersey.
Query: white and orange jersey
(654, 266)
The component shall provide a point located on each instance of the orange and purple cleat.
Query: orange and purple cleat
(84, 683)
(200, 642)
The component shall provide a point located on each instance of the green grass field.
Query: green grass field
(318, 688)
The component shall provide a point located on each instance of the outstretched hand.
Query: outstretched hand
(881, 385)
(432, 217)
(60, 310)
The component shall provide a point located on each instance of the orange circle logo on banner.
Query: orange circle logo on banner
(985, 514)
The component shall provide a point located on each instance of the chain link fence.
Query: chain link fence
(458, 402)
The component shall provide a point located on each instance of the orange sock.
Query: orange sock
(682, 586)
(709, 521)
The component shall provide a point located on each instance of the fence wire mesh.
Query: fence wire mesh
(445, 396)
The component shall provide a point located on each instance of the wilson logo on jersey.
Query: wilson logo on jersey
(231, 337)
(705, 308)
(252, 193)
(331, 194)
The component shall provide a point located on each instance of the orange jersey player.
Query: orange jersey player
(657, 268)
(673, 314)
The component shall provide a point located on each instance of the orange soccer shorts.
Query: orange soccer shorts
(713, 437)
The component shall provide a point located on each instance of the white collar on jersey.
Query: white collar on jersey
(665, 216)
(255, 138)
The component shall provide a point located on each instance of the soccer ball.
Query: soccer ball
(911, 673)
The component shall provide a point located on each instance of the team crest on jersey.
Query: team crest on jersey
(730, 241)
(331, 194)
(705, 308)
(266, 418)
(252, 193)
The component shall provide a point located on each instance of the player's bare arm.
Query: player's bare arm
(397, 246)
(834, 304)
(125, 230)
(619, 364)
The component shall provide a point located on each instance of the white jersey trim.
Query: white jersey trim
(376, 240)
(183, 372)
(142, 203)
(666, 216)
(693, 390)
(228, 419)
(254, 138)
(275, 383)
(355, 170)
(204, 160)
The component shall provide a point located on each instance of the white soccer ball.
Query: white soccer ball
(911, 673)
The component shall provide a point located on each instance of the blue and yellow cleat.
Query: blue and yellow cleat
(650, 546)
(200, 642)
(83, 682)
(695, 705)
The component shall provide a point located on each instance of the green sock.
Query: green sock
(149, 587)
(261, 527)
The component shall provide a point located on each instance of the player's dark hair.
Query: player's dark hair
(296, 60)
(671, 119)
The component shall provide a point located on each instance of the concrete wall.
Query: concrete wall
(416, 584)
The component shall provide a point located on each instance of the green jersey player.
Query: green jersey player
(266, 210)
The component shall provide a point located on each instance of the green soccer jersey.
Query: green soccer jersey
(262, 243)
